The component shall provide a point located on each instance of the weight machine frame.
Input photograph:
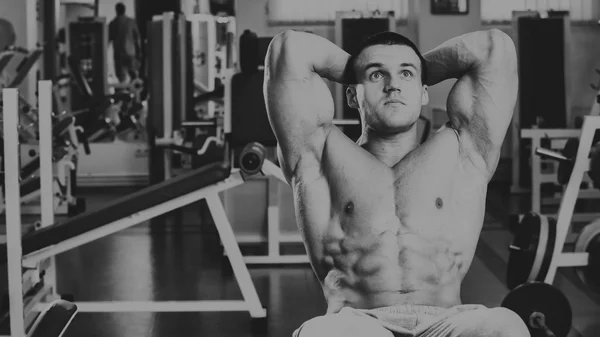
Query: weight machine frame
(515, 126)
(21, 311)
(22, 314)
(567, 204)
(558, 138)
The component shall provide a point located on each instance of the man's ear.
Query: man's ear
(351, 97)
(425, 95)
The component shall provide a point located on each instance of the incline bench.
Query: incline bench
(28, 251)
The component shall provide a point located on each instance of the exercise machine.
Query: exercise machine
(28, 295)
(538, 246)
(29, 251)
(547, 180)
(544, 99)
(109, 114)
(65, 139)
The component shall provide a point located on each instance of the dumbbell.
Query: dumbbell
(544, 309)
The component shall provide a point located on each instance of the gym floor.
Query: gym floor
(182, 261)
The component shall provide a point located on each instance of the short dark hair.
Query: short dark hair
(120, 8)
(387, 39)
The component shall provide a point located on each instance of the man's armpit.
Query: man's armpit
(475, 145)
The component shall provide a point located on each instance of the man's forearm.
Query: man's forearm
(463, 54)
(309, 51)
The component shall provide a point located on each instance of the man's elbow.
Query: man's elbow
(281, 46)
(501, 49)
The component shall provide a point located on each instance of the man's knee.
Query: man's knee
(505, 322)
(342, 325)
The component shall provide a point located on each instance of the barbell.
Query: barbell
(532, 248)
(566, 159)
(545, 309)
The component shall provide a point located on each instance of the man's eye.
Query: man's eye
(376, 75)
(407, 73)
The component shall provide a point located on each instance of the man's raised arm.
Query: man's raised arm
(481, 103)
(299, 104)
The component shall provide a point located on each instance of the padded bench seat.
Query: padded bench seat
(123, 207)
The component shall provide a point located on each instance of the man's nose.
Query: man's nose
(393, 84)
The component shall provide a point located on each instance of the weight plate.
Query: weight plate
(545, 250)
(566, 168)
(531, 249)
(594, 169)
(589, 241)
(539, 297)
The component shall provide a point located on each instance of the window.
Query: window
(323, 11)
(501, 10)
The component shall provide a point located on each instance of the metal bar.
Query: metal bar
(5, 60)
(280, 259)
(572, 260)
(567, 205)
(50, 43)
(240, 270)
(13, 209)
(273, 227)
(182, 69)
(550, 133)
(167, 44)
(198, 123)
(269, 168)
(545, 153)
(31, 61)
(132, 220)
(161, 306)
(45, 151)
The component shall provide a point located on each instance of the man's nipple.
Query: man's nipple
(349, 209)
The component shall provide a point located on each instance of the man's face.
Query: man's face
(389, 92)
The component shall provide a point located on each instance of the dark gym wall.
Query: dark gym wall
(145, 10)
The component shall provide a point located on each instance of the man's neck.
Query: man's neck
(391, 148)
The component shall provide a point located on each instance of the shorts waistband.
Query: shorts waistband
(411, 309)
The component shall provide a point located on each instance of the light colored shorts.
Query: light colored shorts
(416, 320)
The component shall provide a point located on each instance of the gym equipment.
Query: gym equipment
(545, 310)
(543, 102)
(565, 167)
(54, 320)
(559, 258)
(57, 315)
(104, 118)
(249, 51)
(566, 160)
(88, 43)
(594, 172)
(531, 249)
(25, 67)
(28, 251)
(541, 157)
(589, 242)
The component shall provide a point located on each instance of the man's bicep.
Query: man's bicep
(481, 107)
(300, 112)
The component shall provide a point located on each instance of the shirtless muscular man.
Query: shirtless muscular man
(391, 226)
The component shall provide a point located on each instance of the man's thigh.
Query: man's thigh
(483, 322)
(346, 323)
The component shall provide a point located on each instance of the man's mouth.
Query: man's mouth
(393, 101)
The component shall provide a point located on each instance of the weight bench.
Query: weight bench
(26, 252)
(537, 249)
